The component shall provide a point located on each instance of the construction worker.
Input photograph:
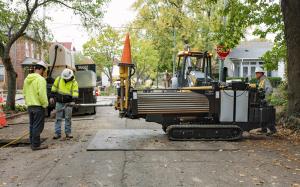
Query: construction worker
(167, 79)
(263, 81)
(35, 94)
(265, 85)
(64, 92)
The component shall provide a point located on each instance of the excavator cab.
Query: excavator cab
(193, 69)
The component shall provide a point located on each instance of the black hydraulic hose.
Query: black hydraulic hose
(54, 62)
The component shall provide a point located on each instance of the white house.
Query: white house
(242, 60)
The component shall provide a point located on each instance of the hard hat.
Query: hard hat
(67, 74)
(42, 63)
(259, 70)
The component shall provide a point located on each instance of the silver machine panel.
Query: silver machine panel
(227, 106)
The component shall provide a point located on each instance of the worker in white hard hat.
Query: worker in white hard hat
(64, 92)
(263, 82)
(265, 85)
(35, 94)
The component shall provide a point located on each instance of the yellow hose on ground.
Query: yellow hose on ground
(15, 140)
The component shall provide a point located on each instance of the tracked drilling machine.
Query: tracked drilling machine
(199, 108)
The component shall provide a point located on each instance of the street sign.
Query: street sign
(222, 53)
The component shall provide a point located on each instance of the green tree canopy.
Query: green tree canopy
(104, 49)
(168, 24)
(144, 56)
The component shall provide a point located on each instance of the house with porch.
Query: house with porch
(242, 60)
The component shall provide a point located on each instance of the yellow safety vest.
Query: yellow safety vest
(70, 88)
(261, 84)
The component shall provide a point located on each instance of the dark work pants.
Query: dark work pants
(269, 126)
(36, 120)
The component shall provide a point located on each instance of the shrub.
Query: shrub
(275, 81)
(279, 96)
(18, 108)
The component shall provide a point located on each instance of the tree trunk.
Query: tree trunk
(291, 16)
(11, 83)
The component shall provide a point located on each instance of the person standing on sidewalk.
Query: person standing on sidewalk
(64, 92)
(35, 94)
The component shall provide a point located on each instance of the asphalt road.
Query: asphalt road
(254, 162)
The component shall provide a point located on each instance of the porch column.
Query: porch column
(241, 68)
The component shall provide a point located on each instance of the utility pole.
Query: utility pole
(174, 53)
(221, 64)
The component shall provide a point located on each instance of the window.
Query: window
(237, 71)
(253, 71)
(26, 49)
(245, 71)
(32, 50)
(1, 73)
(269, 73)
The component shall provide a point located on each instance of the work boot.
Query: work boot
(272, 132)
(56, 136)
(69, 136)
(39, 147)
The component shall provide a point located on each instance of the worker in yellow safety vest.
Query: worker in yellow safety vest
(64, 92)
(265, 85)
(35, 95)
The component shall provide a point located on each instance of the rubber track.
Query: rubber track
(194, 132)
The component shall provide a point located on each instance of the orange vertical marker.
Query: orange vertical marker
(126, 55)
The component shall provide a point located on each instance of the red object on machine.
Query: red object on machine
(126, 55)
(97, 92)
(3, 122)
(222, 54)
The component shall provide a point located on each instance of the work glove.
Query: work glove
(72, 103)
(52, 101)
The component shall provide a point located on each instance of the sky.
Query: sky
(66, 27)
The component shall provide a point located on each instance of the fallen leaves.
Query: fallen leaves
(242, 175)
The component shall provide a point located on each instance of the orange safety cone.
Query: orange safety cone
(3, 122)
(126, 55)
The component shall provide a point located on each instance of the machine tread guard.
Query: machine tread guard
(204, 132)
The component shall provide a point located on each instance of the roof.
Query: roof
(67, 45)
(29, 61)
(190, 53)
(250, 50)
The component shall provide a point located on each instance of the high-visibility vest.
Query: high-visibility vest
(261, 84)
(65, 88)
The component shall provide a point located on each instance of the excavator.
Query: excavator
(197, 107)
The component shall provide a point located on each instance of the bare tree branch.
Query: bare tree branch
(20, 32)
(27, 6)
(173, 3)
(63, 4)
